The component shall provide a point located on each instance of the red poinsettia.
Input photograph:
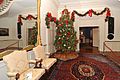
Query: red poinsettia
(49, 14)
(108, 12)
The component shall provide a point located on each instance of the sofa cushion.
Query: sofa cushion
(48, 62)
(16, 61)
(39, 52)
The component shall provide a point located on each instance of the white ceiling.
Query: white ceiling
(74, 1)
(29, 5)
(106, 2)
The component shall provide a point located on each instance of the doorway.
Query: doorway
(88, 37)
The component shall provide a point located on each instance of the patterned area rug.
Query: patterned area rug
(86, 67)
(87, 71)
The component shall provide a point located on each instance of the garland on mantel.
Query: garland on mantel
(49, 17)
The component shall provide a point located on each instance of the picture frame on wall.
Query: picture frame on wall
(4, 31)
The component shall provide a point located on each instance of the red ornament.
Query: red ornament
(68, 33)
(59, 42)
(66, 22)
(90, 12)
(63, 12)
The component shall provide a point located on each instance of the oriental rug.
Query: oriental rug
(86, 67)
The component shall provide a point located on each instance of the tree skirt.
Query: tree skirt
(84, 68)
(66, 56)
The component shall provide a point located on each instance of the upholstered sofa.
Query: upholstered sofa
(40, 54)
(18, 67)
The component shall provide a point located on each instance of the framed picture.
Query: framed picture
(4, 32)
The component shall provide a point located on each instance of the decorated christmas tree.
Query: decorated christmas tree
(65, 39)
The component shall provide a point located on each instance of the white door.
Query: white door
(96, 37)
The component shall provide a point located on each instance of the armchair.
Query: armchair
(18, 67)
(40, 54)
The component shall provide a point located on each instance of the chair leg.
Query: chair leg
(17, 76)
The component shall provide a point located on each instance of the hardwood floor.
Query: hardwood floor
(115, 56)
(92, 50)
